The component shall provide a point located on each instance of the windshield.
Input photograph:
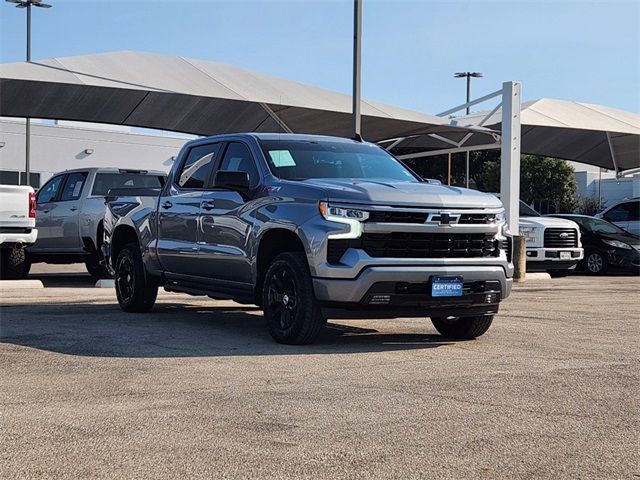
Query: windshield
(595, 225)
(303, 159)
(527, 211)
(106, 181)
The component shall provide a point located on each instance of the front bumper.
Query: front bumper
(24, 239)
(382, 291)
(549, 258)
(624, 259)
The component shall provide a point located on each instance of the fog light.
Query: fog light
(490, 298)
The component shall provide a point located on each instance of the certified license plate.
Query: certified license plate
(565, 255)
(446, 287)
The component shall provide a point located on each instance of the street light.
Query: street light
(468, 76)
(28, 4)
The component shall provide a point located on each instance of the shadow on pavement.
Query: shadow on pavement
(178, 330)
(64, 280)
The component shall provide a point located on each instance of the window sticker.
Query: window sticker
(77, 188)
(282, 158)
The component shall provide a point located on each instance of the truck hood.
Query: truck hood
(547, 222)
(376, 192)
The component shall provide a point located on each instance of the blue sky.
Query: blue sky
(574, 50)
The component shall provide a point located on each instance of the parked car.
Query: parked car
(17, 229)
(553, 244)
(70, 213)
(311, 227)
(624, 214)
(607, 246)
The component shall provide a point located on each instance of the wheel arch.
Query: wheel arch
(271, 244)
(122, 235)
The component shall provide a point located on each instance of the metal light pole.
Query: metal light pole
(468, 76)
(28, 4)
(357, 36)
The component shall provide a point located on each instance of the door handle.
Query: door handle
(45, 211)
(207, 205)
(73, 209)
(167, 204)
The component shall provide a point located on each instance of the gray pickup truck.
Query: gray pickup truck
(310, 228)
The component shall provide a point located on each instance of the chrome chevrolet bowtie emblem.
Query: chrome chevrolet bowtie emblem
(443, 218)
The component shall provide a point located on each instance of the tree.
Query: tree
(541, 178)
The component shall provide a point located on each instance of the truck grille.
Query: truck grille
(381, 216)
(15, 230)
(418, 245)
(560, 238)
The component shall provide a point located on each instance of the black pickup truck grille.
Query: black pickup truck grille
(560, 238)
(418, 245)
(382, 216)
(15, 230)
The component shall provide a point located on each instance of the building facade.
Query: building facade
(58, 146)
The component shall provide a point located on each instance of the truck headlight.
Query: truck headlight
(348, 216)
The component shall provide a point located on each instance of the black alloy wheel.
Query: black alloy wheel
(282, 297)
(290, 307)
(136, 290)
(125, 278)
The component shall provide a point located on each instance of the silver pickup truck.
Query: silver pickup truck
(310, 228)
(70, 210)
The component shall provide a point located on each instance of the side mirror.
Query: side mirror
(232, 180)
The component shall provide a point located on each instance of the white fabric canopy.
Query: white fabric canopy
(582, 132)
(193, 96)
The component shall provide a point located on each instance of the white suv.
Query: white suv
(624, 214)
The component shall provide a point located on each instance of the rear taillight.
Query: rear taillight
(32, 205)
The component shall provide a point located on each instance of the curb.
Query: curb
(20, 284)
(537, 276)
(105, 283)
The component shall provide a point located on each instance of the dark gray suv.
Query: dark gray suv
(310, 228)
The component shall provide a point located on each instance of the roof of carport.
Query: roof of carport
(194, 96)
(582, 132)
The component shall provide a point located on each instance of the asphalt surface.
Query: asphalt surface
(198, 389)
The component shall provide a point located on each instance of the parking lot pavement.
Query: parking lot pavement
(198, 389)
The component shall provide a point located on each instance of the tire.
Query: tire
(462, 328)
(290, 307)
(560, 273)
(134, 289)
(14, 264)
(595, 263)
(95, 269)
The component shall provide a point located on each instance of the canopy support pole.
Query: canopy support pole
(613, 155)
(510, 172)
(276, 118)
(357, 36)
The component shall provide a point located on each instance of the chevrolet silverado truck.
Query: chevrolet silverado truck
(310, 228)
(17, 229)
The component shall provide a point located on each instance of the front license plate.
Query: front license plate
(565, 255)
(446, 287)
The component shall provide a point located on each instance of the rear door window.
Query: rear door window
(73, 186)
(197, 168)
(107, 181)
(633, 209)
(49, 192)
(618, 214)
